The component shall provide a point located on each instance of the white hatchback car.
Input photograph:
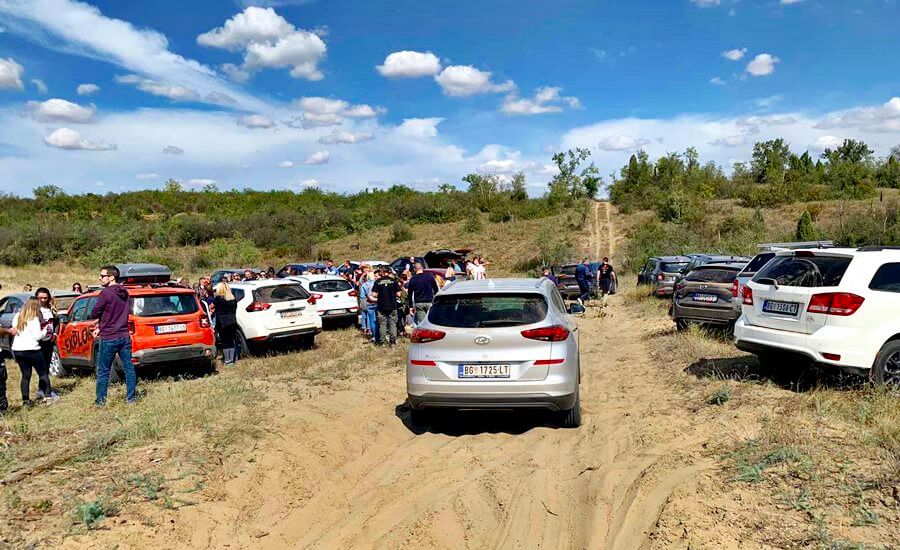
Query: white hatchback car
(335, 297)
(834, 306)
(274, 309)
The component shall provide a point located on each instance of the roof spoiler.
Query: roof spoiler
(767, 247)
(876, 248)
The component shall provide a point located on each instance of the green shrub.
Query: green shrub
(400, 232)
(554, 246)
(806, 231)
(473, 223)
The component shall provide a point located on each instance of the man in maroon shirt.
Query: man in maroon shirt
(112, 310)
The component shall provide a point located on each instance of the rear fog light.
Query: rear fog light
(831, 356)
(542, 362)
(418, 363)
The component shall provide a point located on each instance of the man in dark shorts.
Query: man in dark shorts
(606, 279)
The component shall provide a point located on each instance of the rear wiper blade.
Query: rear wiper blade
(768, 281)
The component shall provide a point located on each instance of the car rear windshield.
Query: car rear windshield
(330, 286)
(167, 304)
(711, 275)
(487, 310)
(280, 293)
(804, 271)
(568, 269)
(674, 267)
(757, 262)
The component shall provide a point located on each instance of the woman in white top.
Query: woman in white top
(476, 269)
(48, 324)
(26, 348)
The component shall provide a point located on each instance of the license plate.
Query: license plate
(781, 308)
(484, 371)
(708, 298)
(171, 329)
(289, 313)
(336, 312)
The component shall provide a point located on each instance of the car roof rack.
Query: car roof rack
(790, 246)
(876, 248)
(143, 274)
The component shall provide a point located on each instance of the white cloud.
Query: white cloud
(66, 138)
(39, 85)
(768, 120)
(735, 54)
(87, 89)
(337, 137)
(545, 100)
(10, 74)
(171, 91)
(147, 176)
(504, 161)
(716, 81)
(789, 2)
(762, 65)
(730, 141)
(465, 80)
(59, 110)
(286, 164)
(882, 119)
(622, 143)
(269, 41)
(323, 111)
(409, 64)
(172, 150)
(825, 142)
(309, 183)
(421, 128)
(317, 158)
(255, 121)
(200, 182)
(706, 3)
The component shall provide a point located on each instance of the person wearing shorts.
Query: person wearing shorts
(606, 278)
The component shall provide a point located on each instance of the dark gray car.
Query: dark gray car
(660, 272)
(705, 295)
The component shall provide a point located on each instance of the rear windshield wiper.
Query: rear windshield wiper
(768, 281)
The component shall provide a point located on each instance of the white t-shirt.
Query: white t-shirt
(29, 338)
(478, 272)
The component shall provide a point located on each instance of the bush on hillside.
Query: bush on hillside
(400, 232)
(806, 231)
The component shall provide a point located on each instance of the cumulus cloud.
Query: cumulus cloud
(11, 74)
(884, 118)
(59, 110)
(716, 81)
(546, 100)
(337, 137)
(762, 65)
(825, 142)
(309, 183)
(200, 182)
(420, 128)
(87, 89)
(66, 138)
(324, 111)
(171, 91)
(730, 141)
(317, 158)
(409, 64)
(504, 161)
(706, 3)
(286, 164)
(465, 80)
(768, 120)
(255, 121)
(735, 55)
(172, 150)
(268, 41)
(39, 85)
(788, 2)
(622, 143)
(147, 176)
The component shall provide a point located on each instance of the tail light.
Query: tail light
(660, 277)
(130, 327)
(556, 333)
(353, 293)
(424, 335)
(204, 322)
(841, 304)
(313, 299)
(735, 286)
(258, 306)
(747, 295)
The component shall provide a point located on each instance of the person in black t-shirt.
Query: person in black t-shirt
(422, 288)
(606, 278)
(385, 293)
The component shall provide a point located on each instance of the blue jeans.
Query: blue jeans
(585, 289)
(372, 319)
(108, 351)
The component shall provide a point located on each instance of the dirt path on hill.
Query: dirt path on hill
(346, 470)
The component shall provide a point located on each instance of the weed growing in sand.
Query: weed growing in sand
(150, 485)
(720, 397)
(751, 461)
(90, 514)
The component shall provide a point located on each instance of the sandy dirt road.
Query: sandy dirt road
(347, 470)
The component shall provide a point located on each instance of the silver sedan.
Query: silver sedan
(501, 344)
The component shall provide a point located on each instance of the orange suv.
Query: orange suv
(167, 324)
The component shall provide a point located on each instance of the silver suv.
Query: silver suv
(496, 344)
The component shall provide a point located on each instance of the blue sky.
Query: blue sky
(355, 94)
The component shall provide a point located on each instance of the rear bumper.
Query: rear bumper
(292, 333)
(664, 288)
(328, 315)
(720, 316)
(155, 356)
(493, 401)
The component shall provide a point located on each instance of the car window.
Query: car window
(674, 267)
(569, 269)
(487, 310)
(13, 305)
(887, 278)
(158, 306)
(238, 294)
(65, 302)
(80, 310)
(557, 300)
(330, 286)
(805, 271)
(758, 262)
(280, 293)
(711, 275)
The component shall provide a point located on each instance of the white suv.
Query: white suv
(335, 297)
(269, 310)
(835, 306)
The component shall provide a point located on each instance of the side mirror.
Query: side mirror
(575, 309)
(63, 318)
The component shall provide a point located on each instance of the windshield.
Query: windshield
(674, 267)
(280, 293)
(171, 304)
(758, 262)
(487, 310)
(804, 271)
(711, 275)
(330, 286)
(64, 303)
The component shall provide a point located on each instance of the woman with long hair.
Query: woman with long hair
(26, 348)
(225, 307)
(49, 323)
(76, 287)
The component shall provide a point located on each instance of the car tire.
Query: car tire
(886, 369)
(116, 372)
(56, 365)
(420, 417)
(308, 341)
(243, 347)
(682, 325)
(203, 368)
(572, 417)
